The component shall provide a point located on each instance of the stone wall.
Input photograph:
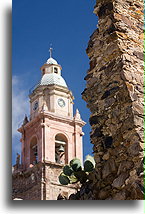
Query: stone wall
(54, 190)
(27, 185)
(40, 183)
(114, 95)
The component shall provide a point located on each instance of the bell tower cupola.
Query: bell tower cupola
(51, 66)
(51, 133)
(51, 91)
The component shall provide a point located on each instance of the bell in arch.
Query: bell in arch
(61, 149)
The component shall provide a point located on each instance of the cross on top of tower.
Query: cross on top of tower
(50, 50)
(51, 60)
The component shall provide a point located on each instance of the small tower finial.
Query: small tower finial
(77, 115)
(50, 50)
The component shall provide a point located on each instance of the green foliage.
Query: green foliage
(67, 170)
(73, 179)
(63, 179)
(89, 164)
(74, 172)
(76, 164)
(81, 176)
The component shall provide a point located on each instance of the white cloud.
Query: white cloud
(20, 107)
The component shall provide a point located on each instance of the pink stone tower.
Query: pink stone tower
(52, 134)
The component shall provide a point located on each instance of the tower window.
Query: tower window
(60, 149)
(55, 70)
(33, 151)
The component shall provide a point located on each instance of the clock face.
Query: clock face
(35, 106)
(61, 102)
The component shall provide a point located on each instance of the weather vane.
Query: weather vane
(50, 50)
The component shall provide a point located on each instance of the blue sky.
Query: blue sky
(35, 25)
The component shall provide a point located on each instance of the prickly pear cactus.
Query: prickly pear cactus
(67, 170)
(76, 164)
(63, 179)
(89, 164)
(73, 179)
(74, 172)
(82, 176)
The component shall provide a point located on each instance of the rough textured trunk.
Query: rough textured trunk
(114, 95)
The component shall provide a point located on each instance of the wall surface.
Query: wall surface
(27, 185)
(54, 190)
(40, 183)
(114, 95)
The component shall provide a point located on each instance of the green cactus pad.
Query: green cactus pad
(91, 158)
(63, 179)
(81, 176)
(89, 164)
(73, 173)
(73, 179)
(67, 170)
(76, 164)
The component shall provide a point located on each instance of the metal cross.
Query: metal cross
(50, 50)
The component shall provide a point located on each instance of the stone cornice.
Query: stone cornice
(51, 116)
(41, 88)
(36, 167)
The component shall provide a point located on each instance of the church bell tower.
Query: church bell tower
(52, 135)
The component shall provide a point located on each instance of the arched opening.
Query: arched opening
(55, 70)
(61, 149)
(33, 151)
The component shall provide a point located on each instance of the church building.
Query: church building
(51, 136)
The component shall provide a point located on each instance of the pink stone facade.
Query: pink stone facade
(44, 128)
(51, 137)
(40, 183)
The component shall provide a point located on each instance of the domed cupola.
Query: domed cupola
(53, 79)
(51, 61)
(51, 73)
(51, 66)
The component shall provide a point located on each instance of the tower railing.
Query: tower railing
(34, 87)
